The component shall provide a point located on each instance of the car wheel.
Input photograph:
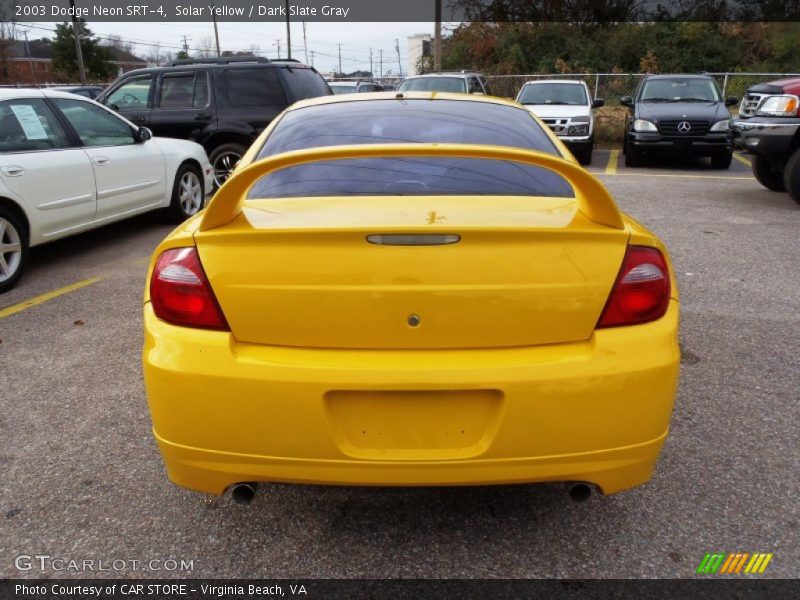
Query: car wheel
(632, 158)
(187, 193)
(585, 158)
(791, 176)
(13, 249)
(224, 158)
(766, 175)
(722, 161)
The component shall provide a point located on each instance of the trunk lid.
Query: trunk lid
(301, 271)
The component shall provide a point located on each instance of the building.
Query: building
(419, 46)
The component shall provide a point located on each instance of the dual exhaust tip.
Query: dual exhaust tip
(243, 493)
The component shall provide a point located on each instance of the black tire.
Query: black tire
(791, 176)
(223, 158)
(187, 200)
(722, 161)
(585, 158)
(632, 158)
(765, 174)
(13, 248)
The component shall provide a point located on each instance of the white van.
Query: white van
(567, 107)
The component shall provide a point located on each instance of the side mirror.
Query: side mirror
(598, 102)
(113, 107)
(731, 101)
(142, 135)
(626, 101)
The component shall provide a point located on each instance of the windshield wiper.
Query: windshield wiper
(696, 100)
(658, 100)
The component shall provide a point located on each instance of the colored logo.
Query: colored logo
(734, 563)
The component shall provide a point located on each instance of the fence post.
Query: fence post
(596, 85)
(725, 84)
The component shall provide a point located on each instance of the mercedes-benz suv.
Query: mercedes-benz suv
(678, 114)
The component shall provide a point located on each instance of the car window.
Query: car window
(434, 84)
(342, 89)
(474, 86)
(680, 89)
(253, 87)
(184, 90)
(95, 125)
(131, 95)
(387, 121)
(305, 83)
(553, 93)
(28, 124)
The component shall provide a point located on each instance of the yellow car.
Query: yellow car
(407, 290)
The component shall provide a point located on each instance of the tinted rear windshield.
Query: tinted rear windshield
(434, 84)
(553, 93)
(409, 121)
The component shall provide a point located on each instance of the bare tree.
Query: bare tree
(205, 47)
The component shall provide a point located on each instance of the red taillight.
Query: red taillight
(641, 292)
(181, 294)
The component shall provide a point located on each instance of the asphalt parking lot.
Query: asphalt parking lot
(82, 478)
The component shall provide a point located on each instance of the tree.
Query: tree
(95, 57)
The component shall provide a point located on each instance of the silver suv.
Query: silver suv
(459, 82)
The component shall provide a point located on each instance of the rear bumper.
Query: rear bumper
(595, 411)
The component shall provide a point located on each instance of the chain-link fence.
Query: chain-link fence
(610, 86)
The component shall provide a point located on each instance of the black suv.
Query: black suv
(222, 104)
(684, 114)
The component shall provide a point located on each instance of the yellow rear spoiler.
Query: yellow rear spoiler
(594, 201)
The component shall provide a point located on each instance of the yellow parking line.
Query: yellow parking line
(742, 159)
(26, 304)
(613, 159)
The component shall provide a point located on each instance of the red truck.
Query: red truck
(769, 127)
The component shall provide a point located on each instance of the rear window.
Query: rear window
(404, 121)
(253, 87)
(305, 83)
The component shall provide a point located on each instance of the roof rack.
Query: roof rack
(291, 60)
(222, 60)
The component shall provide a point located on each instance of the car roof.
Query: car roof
(681, 75)
(274, 64)
(17, 93)
(458, 74)
(398, 96)
(569, 81)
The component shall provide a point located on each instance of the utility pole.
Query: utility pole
(399, 64)
(437, 38)
(278, 44)
(186, 39)
(312, 58)
(340, 59)
(78, 49)
(288, 32)
(381, 63)
(216, 31)
(305, 43)
(371, 74)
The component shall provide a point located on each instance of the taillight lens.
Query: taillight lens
(180, 292)
(641, 292)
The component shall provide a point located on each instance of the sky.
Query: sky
(323, 38)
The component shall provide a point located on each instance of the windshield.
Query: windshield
(399, 121)
(342, 89)
(692, 89)
(434, 84)
(553, 93)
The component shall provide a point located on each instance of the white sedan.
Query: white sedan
(68, 164)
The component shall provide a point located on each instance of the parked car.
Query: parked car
(89, 91)
(679, 114)
(773, 136)
(355, 87)
(68, 164)
(465, 307)
(567, 108)
(465, 82)
(753, 97)
(222, 104)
